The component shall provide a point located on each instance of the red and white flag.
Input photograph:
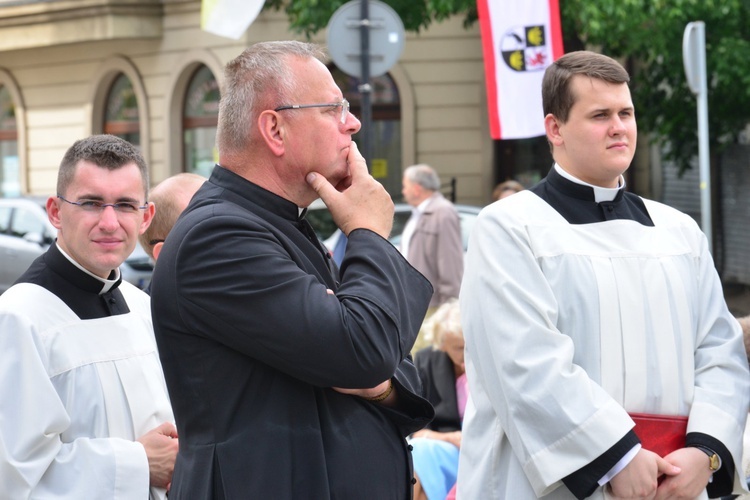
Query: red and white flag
(519, 40)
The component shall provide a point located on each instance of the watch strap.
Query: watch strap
(714, 460)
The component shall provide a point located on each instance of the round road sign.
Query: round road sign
(386, 38)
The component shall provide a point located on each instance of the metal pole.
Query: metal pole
(703, 152)
(694, 59)
(365, 88)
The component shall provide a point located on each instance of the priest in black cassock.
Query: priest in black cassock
(288, 378)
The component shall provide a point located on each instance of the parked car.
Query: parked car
(137, 268)
(322, 222)
(26, 233)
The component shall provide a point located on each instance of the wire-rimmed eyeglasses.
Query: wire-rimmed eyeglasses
(96, 206)
(344, 105)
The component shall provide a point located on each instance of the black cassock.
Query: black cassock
(251, 344)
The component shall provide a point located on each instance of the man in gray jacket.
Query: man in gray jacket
(431, 240)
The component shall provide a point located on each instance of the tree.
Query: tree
(647, 34)
(310, 16)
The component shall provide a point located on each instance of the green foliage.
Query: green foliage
(646, 34)
(310, 16)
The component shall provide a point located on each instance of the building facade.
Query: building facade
(144, 70)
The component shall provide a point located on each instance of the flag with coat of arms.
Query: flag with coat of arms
(519, 40)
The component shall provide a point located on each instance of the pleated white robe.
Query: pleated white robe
(75, 395)
(569, 327)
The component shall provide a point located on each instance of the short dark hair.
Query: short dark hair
(106, 151)
(557, 97)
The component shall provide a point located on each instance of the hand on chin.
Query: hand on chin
(344, 183)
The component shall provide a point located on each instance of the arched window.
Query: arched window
(121, 112)
(385, 137)
(200, 117)
(10, 170)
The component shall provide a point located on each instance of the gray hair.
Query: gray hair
(105, 151)
(256, 80)
(424, 175)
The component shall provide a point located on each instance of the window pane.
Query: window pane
(200, 151)
(202, 95)
(10, 170)
(386, 154)
(384, 90)
(385, 133)
(7, 111)
(200, 117)
(121, 114)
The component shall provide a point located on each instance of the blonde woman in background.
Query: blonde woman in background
(441, 368)
(505, 189)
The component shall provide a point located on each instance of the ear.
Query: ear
(53, 211)
(148, 216)
(157, 250)
(272, 130)
(552, 128)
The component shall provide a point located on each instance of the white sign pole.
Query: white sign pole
(694, 59)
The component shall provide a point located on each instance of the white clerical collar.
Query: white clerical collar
(106, 284)
(600, 193)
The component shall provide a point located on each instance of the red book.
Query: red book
(661, 434)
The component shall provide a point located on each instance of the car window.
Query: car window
(25, 221)
(4, 219)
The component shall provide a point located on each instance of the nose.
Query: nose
(352, 124)
(618, 126)
(108, 220)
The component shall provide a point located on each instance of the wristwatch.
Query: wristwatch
(714, 462)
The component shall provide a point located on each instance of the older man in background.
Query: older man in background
(431, 240)
(170, 197)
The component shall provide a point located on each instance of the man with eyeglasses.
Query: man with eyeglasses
(289, 379)
(85, 410)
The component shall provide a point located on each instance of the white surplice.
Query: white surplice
(569, 327)
(75, 395)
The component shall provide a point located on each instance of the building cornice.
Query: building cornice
(38, 23)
